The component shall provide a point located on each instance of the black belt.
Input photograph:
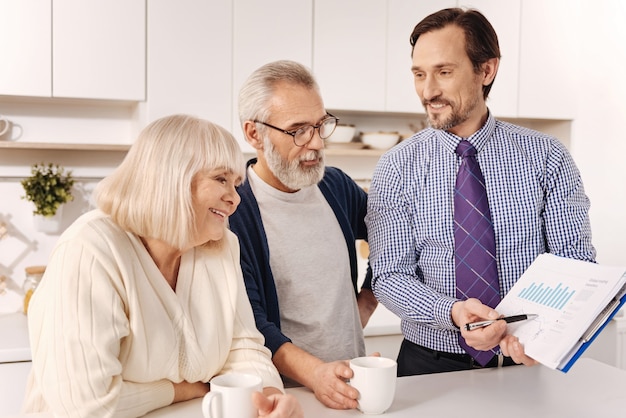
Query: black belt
(499, 360)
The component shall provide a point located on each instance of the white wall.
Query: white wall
(598, 138)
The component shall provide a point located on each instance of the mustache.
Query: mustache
(436, 100)
(310, 155)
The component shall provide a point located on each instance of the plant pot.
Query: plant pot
(49, 224)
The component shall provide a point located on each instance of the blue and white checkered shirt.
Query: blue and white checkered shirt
(537, 204)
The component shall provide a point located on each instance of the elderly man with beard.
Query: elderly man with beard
(297, 225)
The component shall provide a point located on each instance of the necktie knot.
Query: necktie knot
(465, 149)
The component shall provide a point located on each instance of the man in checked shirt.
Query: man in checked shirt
(535, 195)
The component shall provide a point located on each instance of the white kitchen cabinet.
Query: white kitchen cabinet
(504, 16)
(547, 85)
(190, 60)
(99, 49)
(26, 47)
(402, 17)
(15, 362)
(266, 31)
(349, 53)
(13, 378)
(73, 49)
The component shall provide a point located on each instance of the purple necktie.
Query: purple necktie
(474, 241)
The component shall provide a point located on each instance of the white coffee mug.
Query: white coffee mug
(5, 125)
(375, 379)
(231, 396)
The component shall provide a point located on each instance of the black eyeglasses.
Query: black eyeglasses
(304, 135)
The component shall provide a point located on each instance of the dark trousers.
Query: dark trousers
(414, 359)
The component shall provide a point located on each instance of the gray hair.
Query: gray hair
(256, 92)
(150, 193)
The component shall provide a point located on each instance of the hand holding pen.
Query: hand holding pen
(507, 319)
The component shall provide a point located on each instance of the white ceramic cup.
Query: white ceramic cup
(375, 379)
(5, 125)
(231, 396)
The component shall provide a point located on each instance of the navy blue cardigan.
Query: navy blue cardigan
(349, 203)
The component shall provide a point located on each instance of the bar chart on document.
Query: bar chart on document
(545, 295)
(567, 295)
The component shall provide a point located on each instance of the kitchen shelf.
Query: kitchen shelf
(125, 147)
(63, 146)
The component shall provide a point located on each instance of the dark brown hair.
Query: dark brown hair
(481, 40)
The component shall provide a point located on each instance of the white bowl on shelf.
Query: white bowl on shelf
(342, 134)
(380, 140)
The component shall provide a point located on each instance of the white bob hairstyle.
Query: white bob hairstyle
(150, 193)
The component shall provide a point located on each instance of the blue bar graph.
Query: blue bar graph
(545, 295)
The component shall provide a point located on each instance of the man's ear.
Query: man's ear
(490, 69)
(252, 135)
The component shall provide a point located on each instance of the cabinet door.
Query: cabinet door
(402, 17)
(547, 85)
(349, 53)
(13, 378)
(99, 49)
(190, 59)
(266, 31)
(505, 18)
(25, 45)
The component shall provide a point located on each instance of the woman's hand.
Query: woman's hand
(272, 403)
(184, 391)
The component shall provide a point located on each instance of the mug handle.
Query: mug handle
(212, 401)
(6, 125)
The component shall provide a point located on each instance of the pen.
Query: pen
(507, 319)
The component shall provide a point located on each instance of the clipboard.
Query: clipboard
(594, 330)
(573, 300)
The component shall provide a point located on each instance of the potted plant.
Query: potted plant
(48, 187)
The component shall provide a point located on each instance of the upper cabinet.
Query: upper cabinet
(368, 66)
(504, 16)
(73, 48)
(547, 82)
(265, 31)
(402, 17)
(26, 45)
(190, 60)
(349, 51)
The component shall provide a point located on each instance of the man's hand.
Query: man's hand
(511, 347)
(326, 380)
(330, 387)
(472, 310)
(485, 338)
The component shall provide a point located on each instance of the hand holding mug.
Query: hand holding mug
(375, 379)
(231, 396)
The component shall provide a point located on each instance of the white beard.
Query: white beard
(292, 174)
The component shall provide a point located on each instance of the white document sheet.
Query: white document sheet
(568, 295)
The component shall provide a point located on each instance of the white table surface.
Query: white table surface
(589, 389)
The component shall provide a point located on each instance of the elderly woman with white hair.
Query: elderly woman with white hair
(143, 300)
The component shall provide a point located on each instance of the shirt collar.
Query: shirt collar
(478, 139)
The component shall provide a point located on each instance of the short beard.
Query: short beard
(457, 117)
(291, 174)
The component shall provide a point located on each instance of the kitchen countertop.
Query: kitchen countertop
(589, 389)
(14, 343)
